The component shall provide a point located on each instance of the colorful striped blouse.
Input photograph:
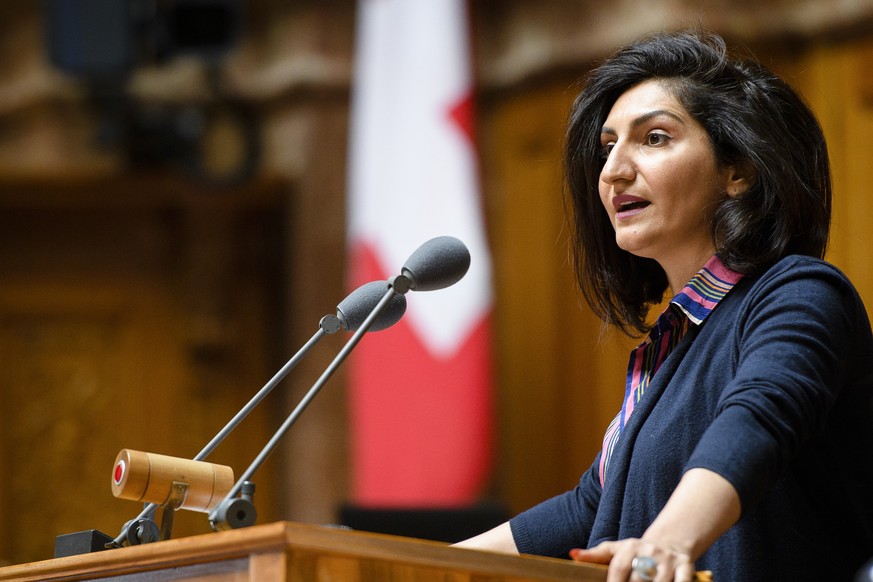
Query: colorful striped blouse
(690, 306)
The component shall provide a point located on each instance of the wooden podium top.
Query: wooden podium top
(293, 551)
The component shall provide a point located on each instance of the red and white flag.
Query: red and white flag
(421, 391)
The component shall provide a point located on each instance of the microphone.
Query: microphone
(436, 264)
(351, 313)
(354, 309)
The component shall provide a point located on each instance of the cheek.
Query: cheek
(703, 196)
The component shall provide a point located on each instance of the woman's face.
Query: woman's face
(660, 182)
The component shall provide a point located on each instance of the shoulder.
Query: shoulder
(802, 266)
(801, 286)
(796, 273)
(794, 278)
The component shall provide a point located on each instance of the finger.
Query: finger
(597, 555)
(620, 567)
(684, 573)
(665, 571)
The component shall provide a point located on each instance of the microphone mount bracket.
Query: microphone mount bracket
(401, 284)
(178, 492)
(141, 530)
(235, 512)
(330, 324)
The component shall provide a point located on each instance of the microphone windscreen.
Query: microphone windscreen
(438, 263)
(354, 309)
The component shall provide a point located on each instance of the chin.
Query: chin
(633, 247)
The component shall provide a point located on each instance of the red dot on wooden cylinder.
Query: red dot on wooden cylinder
(119, 472)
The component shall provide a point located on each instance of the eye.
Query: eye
(657, 138)
(606, 148)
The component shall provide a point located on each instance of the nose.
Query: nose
(618, 165)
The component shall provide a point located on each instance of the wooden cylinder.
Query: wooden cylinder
(149, 478)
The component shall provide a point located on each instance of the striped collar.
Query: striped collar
(705, 289)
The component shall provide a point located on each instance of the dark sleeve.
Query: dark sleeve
(562, 523)
(792, 337)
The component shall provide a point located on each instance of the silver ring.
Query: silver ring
(645, 567)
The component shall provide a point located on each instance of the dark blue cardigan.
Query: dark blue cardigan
(774, 392)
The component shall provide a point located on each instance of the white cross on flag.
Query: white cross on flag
(420, 392)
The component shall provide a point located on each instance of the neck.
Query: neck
(680, 272)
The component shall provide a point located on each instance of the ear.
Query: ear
(739, 178)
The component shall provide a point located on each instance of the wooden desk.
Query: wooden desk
(304, 553)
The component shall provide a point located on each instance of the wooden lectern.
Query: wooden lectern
(303, 553)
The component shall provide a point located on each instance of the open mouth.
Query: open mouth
(626, 205)
(635, 205)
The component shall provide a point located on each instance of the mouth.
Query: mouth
(627, 205)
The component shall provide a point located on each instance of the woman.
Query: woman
(745, 441)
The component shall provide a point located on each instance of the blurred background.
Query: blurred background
(173, 226)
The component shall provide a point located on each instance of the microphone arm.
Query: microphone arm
(234, 512)
(350, 310)
(268, 387)
(439, 262)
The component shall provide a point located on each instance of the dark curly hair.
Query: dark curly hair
(751, 116)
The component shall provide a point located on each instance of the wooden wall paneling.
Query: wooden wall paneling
(831, 80)
(822, 83)
(87, 365)
(230, 260)
(522, 142)
(314, 456)
(856, 169)
(549, 367)
(100, 351)
(80, 328)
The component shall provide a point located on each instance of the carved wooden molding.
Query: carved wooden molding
(520, 40)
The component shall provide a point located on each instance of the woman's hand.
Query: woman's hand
(628, 559)
(702, 507)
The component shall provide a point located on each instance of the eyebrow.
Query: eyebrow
(638, 121)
